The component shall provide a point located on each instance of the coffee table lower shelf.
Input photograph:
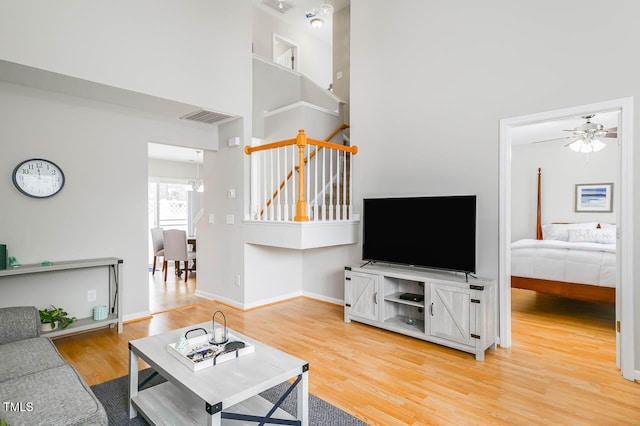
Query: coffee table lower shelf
(166, 404)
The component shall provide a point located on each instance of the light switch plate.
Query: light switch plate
(211, 218)
(230, 219)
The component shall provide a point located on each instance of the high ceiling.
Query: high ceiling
(294, 15)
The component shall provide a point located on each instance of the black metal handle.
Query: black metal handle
(194, 329)
(431, 309)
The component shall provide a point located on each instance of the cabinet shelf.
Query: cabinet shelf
(399, 322)
(82, 324)
(395, 297)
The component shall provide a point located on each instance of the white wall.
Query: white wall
(342, 57)
(157, 47)
(315, 57)
(223, 243)
(431, 80)
(172, 169)
(562, 169)
(271, 274)
(202, 57)
(102, 209)
(323, 272)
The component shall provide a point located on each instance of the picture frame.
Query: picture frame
(594, 197)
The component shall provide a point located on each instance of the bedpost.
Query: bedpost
(538, 214)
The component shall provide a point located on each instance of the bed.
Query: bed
(574, 260)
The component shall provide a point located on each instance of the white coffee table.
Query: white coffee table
(228, 390)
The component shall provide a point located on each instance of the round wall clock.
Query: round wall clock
(38, 178)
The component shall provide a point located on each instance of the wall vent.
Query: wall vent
(279, 5)
(205, 116)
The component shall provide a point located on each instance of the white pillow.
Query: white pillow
(602, 236)
(608, 226)
(560, 231)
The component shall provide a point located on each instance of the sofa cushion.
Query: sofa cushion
(19, 322)
(28, 356)
(57, 396)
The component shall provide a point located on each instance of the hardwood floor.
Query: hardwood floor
(174, 293)
(560, 370)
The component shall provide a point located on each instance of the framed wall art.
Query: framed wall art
(594, 197)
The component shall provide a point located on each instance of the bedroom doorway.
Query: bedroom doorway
(625, 355)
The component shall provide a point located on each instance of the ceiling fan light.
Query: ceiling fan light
(317, 22)
(597, 145)
(586, 148)
(575, 146)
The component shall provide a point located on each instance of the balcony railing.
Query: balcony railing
(284, 173)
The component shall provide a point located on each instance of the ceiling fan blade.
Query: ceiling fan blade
(556, 139)
(610, 135)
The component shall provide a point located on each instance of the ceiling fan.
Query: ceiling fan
(586, 137)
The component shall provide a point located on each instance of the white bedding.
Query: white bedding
(582, 263)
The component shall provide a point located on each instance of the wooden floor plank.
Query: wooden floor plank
(560, 370)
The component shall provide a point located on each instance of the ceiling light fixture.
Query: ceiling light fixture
(317, 13)
(587, 145)
(196, 185)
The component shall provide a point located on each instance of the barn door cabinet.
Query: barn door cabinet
(448, 309)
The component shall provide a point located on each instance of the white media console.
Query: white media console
(449, 309)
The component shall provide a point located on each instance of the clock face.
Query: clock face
(38, 178)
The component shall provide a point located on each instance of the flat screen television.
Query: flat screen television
(436, 232)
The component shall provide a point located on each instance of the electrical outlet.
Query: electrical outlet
(238, 280)
(91, 296)
(212, 218)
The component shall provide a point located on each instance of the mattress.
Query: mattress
(574, 262)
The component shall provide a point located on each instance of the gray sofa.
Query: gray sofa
(37, 386)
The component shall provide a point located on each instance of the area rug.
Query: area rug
(114, 397)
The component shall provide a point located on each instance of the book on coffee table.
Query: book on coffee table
(199, 353)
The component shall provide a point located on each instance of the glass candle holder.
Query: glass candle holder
(219, 333)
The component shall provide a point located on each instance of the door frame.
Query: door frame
(278, 39)
(624, 219)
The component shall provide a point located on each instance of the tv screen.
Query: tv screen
(433, 232)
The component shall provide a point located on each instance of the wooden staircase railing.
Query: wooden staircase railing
(302, 142)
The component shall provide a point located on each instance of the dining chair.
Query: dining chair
(158, 247)
(175, 249)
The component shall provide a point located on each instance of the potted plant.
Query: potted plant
(52, 318)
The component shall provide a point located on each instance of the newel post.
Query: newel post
(301, 204)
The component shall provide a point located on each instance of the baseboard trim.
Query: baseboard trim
(268, 301)
(322, 298)
(138, 316)
(272, 300)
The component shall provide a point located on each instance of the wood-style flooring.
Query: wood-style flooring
(173, 293)
(560, 369)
